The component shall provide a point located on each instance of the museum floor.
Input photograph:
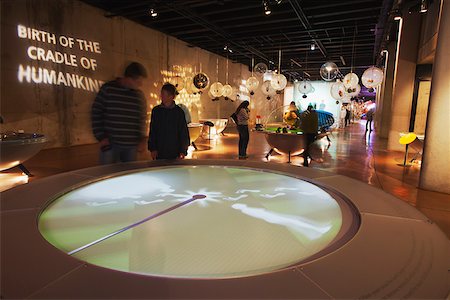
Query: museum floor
(351, 153)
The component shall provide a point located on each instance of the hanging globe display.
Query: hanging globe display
(372, 77)
(278, 82)
(252, 84)
(337, 91)
(190, 87)
(267, 89)
(178, 82)
(227, 91)
(353, 92)
(213, 98)
(329, 71)
(305, 87)
(260, 69)
(350, 80)
(216, 89)
(201, 81)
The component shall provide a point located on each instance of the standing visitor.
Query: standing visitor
(118, 116)
(369, 116)
(242, 114)
(310, 125)
(169, 134)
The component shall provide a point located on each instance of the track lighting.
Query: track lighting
(423, 6)
(153, 13)
(267, 10)
(313, 46)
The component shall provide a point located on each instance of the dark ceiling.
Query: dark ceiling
(346, 31)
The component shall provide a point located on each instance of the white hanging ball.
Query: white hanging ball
(337, 91)
(227, 91)
(372, 77)
(351, 80)
(260, 69)
(305, 87)
(178, 82)
(278, 82)
(353, 92)
(216, 89)
(267, 88)
(329, 71)
(252, 84)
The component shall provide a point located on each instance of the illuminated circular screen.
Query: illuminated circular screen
(193, 221)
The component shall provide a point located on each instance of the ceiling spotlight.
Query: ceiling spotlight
(423, 6)
(313, 46)
(153, 13)
(267, 10)
(225, 48)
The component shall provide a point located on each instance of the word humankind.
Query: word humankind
(41, 75)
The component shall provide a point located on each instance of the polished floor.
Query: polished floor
(351, 153)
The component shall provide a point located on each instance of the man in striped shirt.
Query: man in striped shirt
(118, 116)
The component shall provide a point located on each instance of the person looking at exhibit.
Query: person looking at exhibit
(292, 116)
(242, 113)
(118, 116)
(310, 124)
(169, 134)
(369, 116)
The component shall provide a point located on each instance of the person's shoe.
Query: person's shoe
(243, 157)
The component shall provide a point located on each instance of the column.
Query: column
(405, 71)
(383, 113)
(435, 170)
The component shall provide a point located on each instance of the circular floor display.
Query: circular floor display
(194, 221)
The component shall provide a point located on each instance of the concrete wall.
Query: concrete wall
(63, 112)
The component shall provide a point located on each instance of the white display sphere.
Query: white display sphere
(178, 82)
(278, 82)
(267, 88)
(337, 91)
(350, 80)
(260, 69)
(216, 89)
(372, 77)
(353, 92)
(201, 81)
(227, 91)
(329, 71)
(305, 87)
(252, 84)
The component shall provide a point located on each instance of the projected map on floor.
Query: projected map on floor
(193, 221)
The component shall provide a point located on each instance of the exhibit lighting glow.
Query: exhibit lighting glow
(329, 68)
(397, 18)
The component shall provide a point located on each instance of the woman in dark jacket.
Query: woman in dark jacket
(242, 114)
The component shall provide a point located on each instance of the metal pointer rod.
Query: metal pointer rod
(194, 197)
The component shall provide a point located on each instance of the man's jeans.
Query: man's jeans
(118, 153)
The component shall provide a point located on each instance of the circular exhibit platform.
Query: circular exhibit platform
(216, 229)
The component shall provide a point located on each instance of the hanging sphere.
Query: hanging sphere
(216, 89)
(252, 84)
(201, 81)
(267, 89)
(353, 92)
(227, 91)
(337, 91)
(260, 69)
(178, 82)
(305, 87)
(350, 80)
(372, 77)
(278, 82)
(329, 71)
